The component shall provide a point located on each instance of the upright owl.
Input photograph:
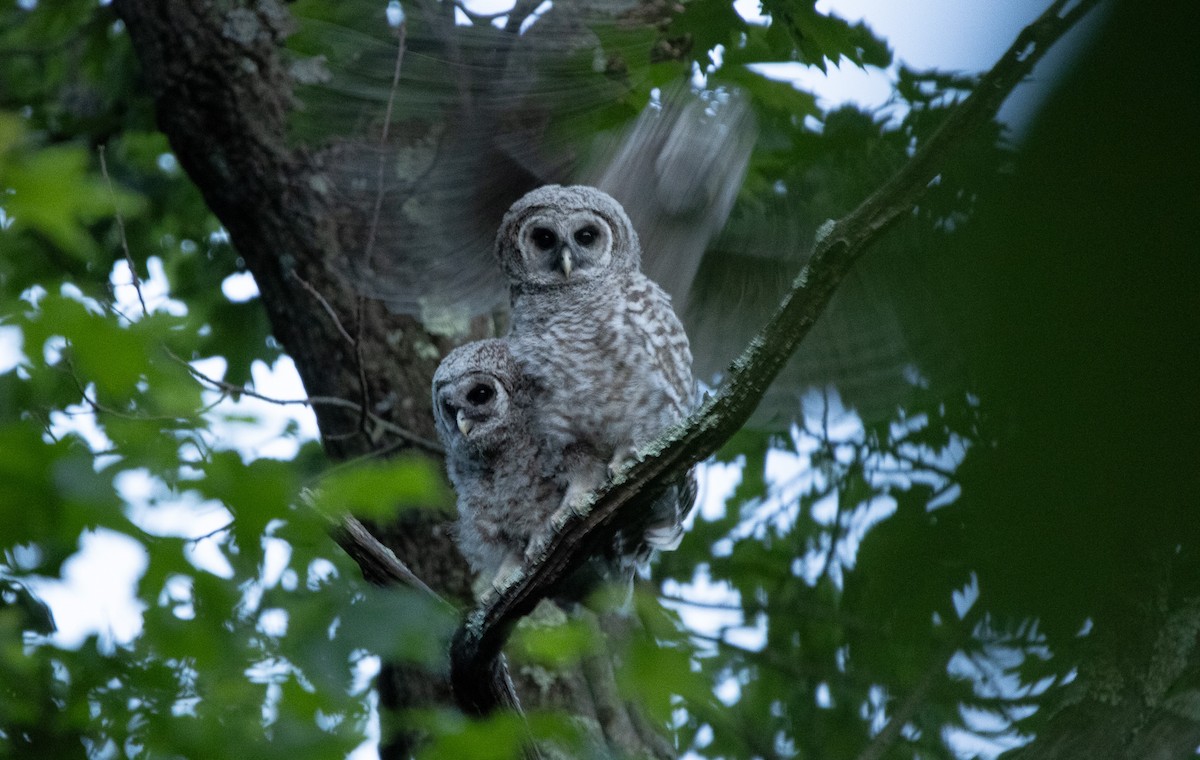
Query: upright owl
(508, 483)
(608, 359)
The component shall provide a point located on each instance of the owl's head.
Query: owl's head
(562, 235)
(475, 396)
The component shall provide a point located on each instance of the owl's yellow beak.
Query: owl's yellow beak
(464, 424)
(566, 262)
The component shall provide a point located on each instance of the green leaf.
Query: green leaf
(555, 645)
(819, 38)
(376, 490)
(51, 191)
(256, 493)
(707, 23)
(498, 737)
(657, 674)
(399, 624)
(772, 94)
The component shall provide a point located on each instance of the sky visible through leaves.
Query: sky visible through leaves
(96, 593)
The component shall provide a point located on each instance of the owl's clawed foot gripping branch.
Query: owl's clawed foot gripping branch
(621, 459)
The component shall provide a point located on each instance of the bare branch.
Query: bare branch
(337, 323)
(379, 564)
(112, 194)
(382, 424)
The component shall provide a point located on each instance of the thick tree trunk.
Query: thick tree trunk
(223, 95)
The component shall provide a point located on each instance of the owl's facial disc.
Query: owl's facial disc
(557, 248)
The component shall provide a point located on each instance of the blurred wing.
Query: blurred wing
(677, 171)
(426, 144)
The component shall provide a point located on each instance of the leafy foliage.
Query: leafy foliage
(925, 555)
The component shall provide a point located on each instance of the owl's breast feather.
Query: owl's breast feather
(609, 357)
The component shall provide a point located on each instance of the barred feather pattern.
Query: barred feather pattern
(607, 357)
(609, 360)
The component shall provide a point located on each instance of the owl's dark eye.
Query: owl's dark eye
(544, 238)
(587, 235)
(449, 409)
(480, 394)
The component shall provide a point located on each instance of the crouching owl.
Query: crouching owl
(508, 484)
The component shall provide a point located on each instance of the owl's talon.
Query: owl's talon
(563, 515)
(825, 230)
(622, 457)
(510, 571)
(489, 596)
(576, 501)
(539, 543)
(501, 583)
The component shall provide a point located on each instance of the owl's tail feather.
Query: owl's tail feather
(665, 529)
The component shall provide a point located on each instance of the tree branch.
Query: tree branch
(884, 740)
(477, 672)
(410, 438)
(379, 564)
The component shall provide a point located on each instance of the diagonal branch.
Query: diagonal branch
(907, 708)
(379, 564)
(477, 671)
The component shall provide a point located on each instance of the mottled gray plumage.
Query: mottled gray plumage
(608, 359)
(508, 483)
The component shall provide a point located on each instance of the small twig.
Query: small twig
(98, 408)
(386, 425)
(728, 606)
(379, 564)
(884, 740)
(373, 230)
(383, 136)
(210, 534)
(345, 464)
(364, 407)
(835, 535)
(46, 425)
(477, 17)
(521, 11)
(324, 304)
(918, 465)
(112, 194)
(836, 531)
